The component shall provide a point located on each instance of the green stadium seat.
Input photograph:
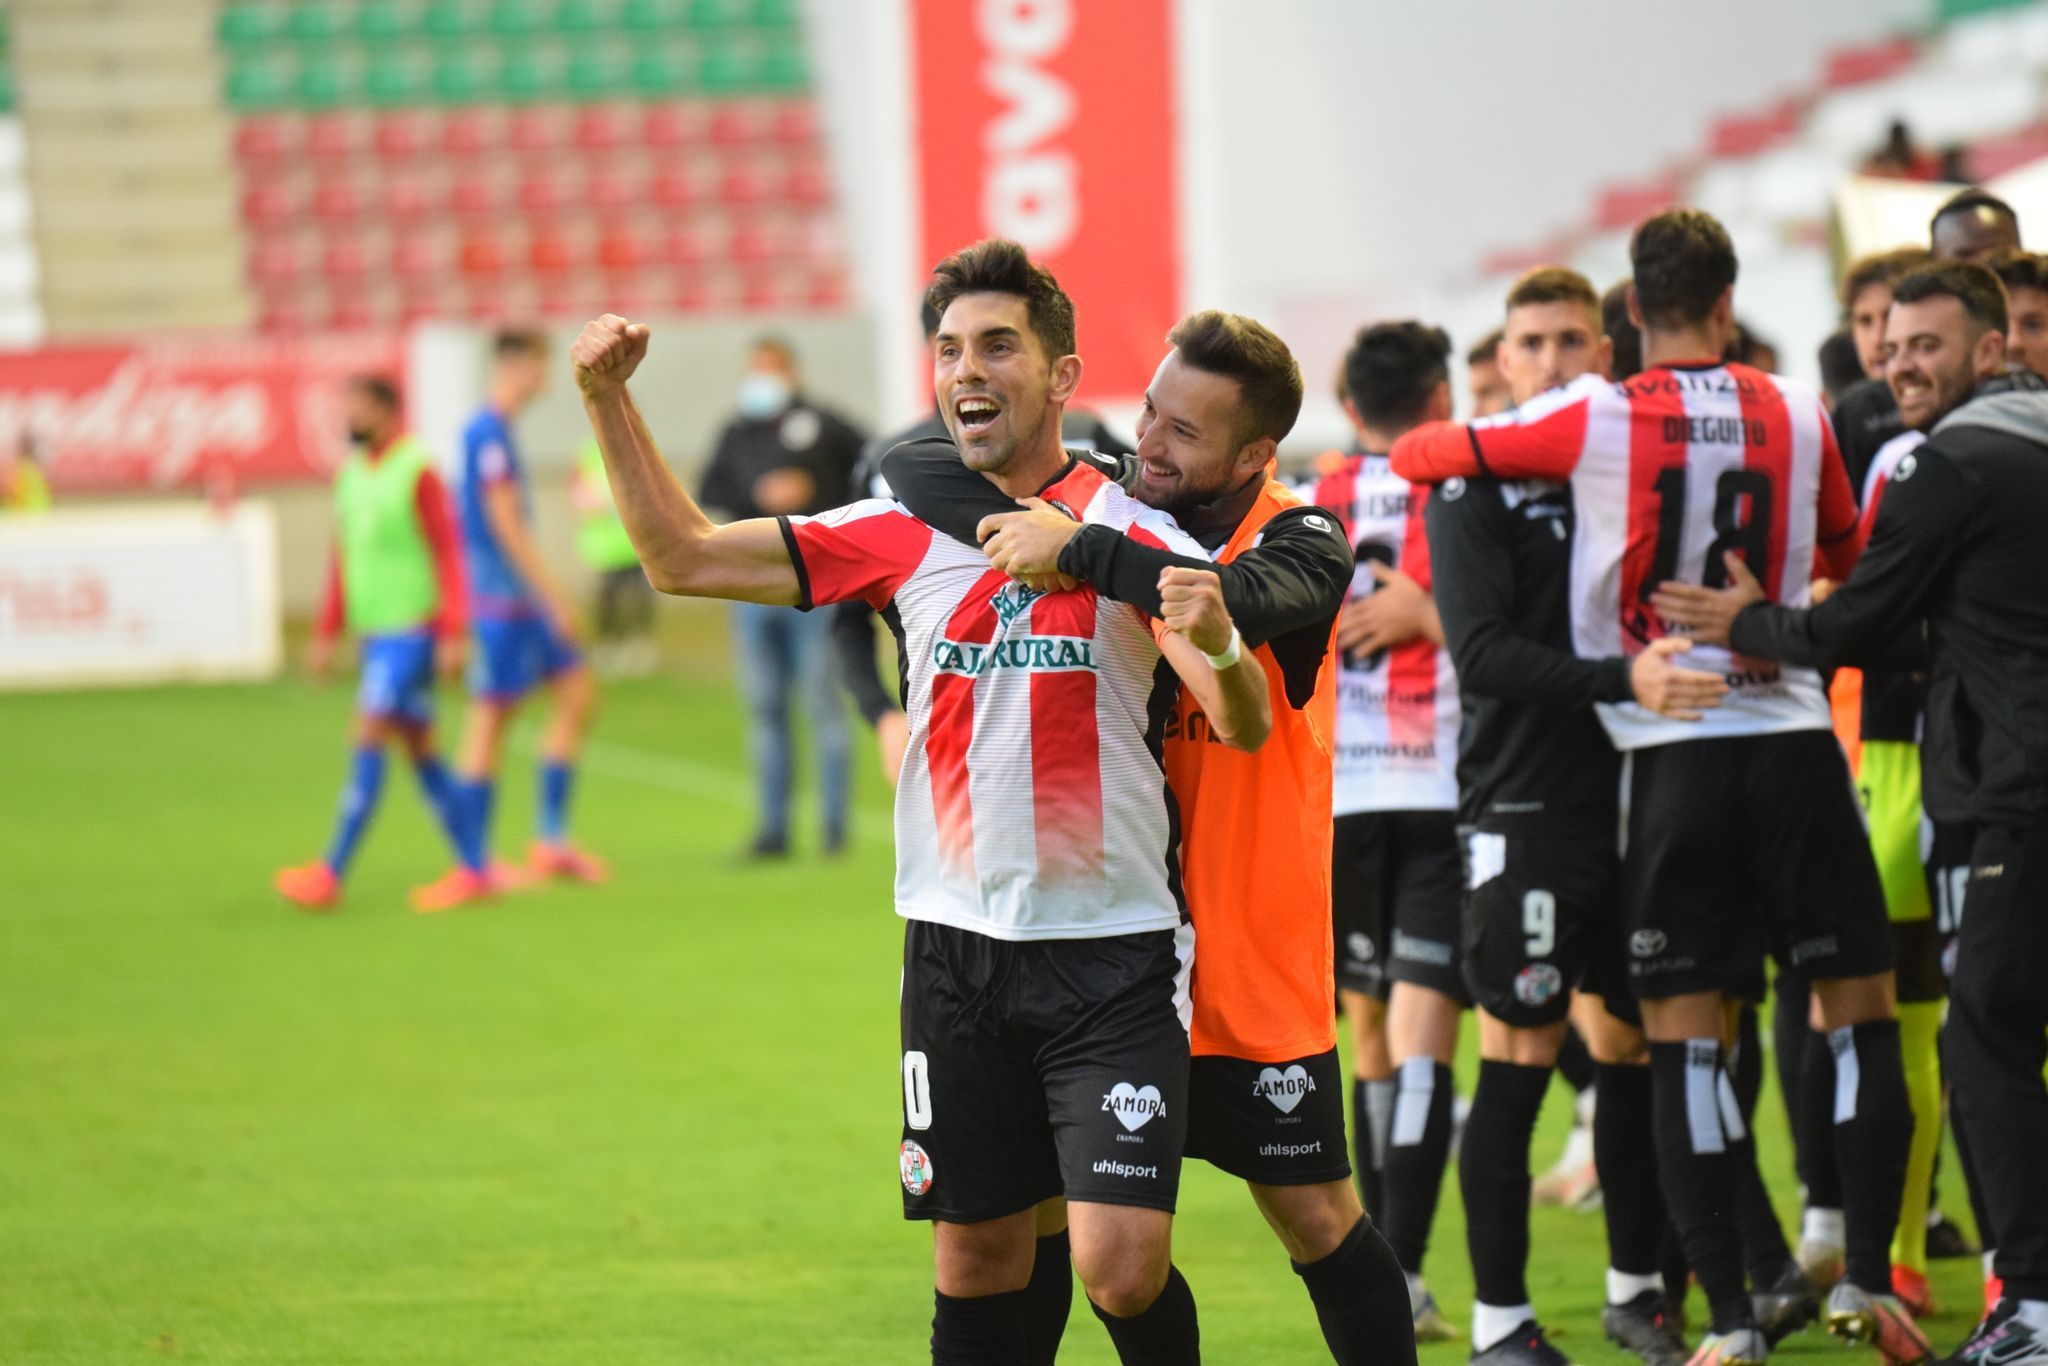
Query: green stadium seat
(256, 84)
(656, 73)
(776, 13)
(6, 92)
(581, 16)
(592, 73)
(725, 68)
(320, 84)
(379, 22)
(717, 13)
(249, 22)
(786, 66)
(649, 14)
(514, 18)
(521, 77)
(392, 81)
(456, 80)
(449, 19)
(311, 22)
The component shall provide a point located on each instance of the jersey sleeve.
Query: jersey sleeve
(1542, 439)
(437, 527)
(1838, 537)
(494, 463)
(866, 550)
(333, 598)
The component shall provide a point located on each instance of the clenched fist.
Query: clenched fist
(1192, 604)
(606, 353)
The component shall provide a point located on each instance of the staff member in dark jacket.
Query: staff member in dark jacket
(783, 455)
(1960, 542)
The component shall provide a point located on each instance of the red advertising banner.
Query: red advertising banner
(1052, 122)
(181, 414)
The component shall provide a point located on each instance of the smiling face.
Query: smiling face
(1547, 344)
(2026, 338)
(1000, 395)
(1866, 325)
(1936, 357)
(1191, 450)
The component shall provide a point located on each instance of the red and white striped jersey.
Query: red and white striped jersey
(1883, 467)
(1397, 710)
(1032, 803)
(1668, 472)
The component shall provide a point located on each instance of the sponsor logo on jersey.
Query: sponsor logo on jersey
(1907, 464)
(1133, 1106)
(1451, 490)
(1109, 1166)
(1421, 950)
(1360, 947)
(1313, 523)
(1284, 1089)
(1538, 984)
(915, 1164)
(1010, 601)
(1647, 943)
(1026, 652)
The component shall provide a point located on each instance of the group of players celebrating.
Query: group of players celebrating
(1527, 716)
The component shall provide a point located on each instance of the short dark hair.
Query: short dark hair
(1553, 285)
(1962, 201)
(1841, 367)
(1969, 284)
(1683, 262)
(1487, 348)
(2020, 270)
(1622, 331)
(1241, 349)
(997, 265)
(928, 317)
(1392, 369)
(381, 389)
(519, 341)
(1880, 268)
(772, 341)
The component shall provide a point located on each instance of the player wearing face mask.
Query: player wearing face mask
(782, 455)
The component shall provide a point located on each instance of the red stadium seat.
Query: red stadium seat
(612, 191)
(621, 249)
(402, 135)
(550, 253)
(334, 137)
(267, 203)
(345, 259)
(412, 195)
(337, 200)
(282, 311)
(265, 137)
(670, 126)
(673, 188)
(754, 241)
(350, 310)
(465, 133)
(689, 293)
(738, 123)
(742, 184)
(762, 292)
(475, 196)
(542, 194)
(686, 245)
(419, 258)
(538, 130)
(482, 254)
(809, 185)
(602, 128)
(276, 260)
(828, 291)
(795, 123)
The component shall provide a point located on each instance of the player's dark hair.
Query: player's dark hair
(1969, 284)
(1392, 369)
(1622, 331)
(2020, 270)
(1963, 201)
(1840, 364)
(1683, 262)
(1553, 285)
(1239, 348)
(928, 317)
(519, 341)
(997, 265)
(1487, 348)
(770, 341)
(1880, 268)
(381, 390)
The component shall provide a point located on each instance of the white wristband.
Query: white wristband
(1231, 653)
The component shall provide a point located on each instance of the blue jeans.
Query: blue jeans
(784, 654)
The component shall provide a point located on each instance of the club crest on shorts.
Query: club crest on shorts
(1284, 1089)
(1133, 1106)
(1360, 947)
(1538, 984)
(915, 1165)
(1647, 943)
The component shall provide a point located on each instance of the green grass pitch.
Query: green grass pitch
(653, 1122)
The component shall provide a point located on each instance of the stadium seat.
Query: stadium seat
(257, 83)
(648, 15)
(379, 22)
(726, 66)
(310, 21)
(685, 245)
(247, 24)
(762, 292)
(265, 137)
(349, 310)
(337, 200)
(754, 241)
(656, 73)
(673, 187)
(334, 137)
(539, 130)
(689, 293)
(320, 84)
(465, 135)
(600, 128)
(515, 18)
(582, 16)
(795, 122)
(828, 291)
(482, 254)
(448, 19)
(269, 203)
(715, 14)
(612, 191)
(551, 253)
(744, 184)
(275, 260)
(410, 196)
(393, 80)
(622, 249)
(786, 66)
(593, 72)
(456, 80)
(541, 194)
(675, 125)
(401, 136)
(522, 75)
(738, 123)
(418, 256)
(776, 13)
(809, 185)
(475, 195)
(345, 259)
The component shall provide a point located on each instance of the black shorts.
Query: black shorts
(1743, 845)
(1279, 1124)
(1395, 896)
(1056, 1066)
(1543, 918)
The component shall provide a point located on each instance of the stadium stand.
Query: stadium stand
(488, 158)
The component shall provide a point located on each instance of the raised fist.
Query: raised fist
(606, 353)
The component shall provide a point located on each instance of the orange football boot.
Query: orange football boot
(453, 889)
(566, 862)
(312, 887)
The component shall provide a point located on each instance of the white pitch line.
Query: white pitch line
(674, 773)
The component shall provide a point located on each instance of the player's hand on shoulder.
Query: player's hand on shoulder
(606, 353)
(1027, 544)
(1191, 604)
(1396, 611)
(1664, 686)
(1707, 614)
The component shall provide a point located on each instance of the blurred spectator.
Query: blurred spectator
(1484, 381)
(1899, 159)
(1840, 367)
(1747, 348)
(1867, 299)
(625, 600)
(22, 485)
(1974, 225)
(782, 455)
(1623, 332)
(2025, 279)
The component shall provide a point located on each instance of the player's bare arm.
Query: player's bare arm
(1202, 644)
(508, 526)
(682, 550)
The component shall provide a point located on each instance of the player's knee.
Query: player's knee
(1126, 1289)
(983, 1259)
(1312, 1221)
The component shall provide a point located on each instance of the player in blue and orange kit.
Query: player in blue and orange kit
(524, 623)
(395, 578)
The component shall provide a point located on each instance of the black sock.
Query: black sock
(1973, 1185)
(1789, 1006)
(1369, 1140)
(1361, 1300)
(1696, 1118)
(1493, 1174)
(1418, 1150)
(1574, 1062)
(1624, 1153)
(1764, 1251)
(983, 1330)
(1816, 1125)
(1873, 1136)
(1166, 1334)
(1677, 1271)
(1048, 1299)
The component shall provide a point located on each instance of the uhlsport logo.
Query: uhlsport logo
(1647, 943)
(1133, 1106)
(1538, 984)
(1284, 1089)
(916, 1167)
